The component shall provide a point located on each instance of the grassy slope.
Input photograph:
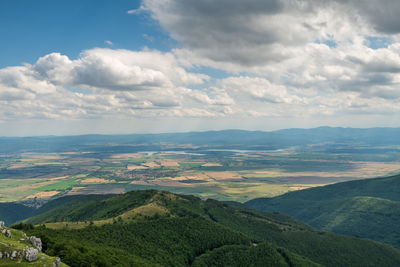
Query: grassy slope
(189, 227)
(15, 244)
(366, 208)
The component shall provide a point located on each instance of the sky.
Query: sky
(102, 66)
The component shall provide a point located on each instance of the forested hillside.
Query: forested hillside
(155, 227)
(366, 208)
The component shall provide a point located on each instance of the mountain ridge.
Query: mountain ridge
(191, 231)
(367, 208)
(232, 138)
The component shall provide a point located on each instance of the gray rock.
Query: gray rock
(14, 255)
(31, 254)
(36, 242)
(57, 263)
(6, 233)
(1, 255)
(2, 225)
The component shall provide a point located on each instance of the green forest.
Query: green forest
(367, 208)
(158, 228)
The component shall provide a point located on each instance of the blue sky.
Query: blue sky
(32, 29)
(78, 67)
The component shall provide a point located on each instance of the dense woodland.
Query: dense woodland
(367, 208)
(149, 228)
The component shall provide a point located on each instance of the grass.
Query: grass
(60, 185)
(191, 164)
(242, 193)
(148, 210)
(19, 189)
(15, 243)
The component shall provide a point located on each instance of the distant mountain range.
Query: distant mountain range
(364, 208)
(227, 139)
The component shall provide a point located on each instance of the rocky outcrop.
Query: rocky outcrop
(36, 242)
(31, 254)
(57, 263)
(2, 224)
(6, 232)
(21, 248)
(14, 255)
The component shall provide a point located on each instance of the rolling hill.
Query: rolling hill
(151, 228)
(365, 208)
(12, 212)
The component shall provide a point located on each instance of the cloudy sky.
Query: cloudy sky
(104, 66)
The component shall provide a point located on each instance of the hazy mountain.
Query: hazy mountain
(226, 139)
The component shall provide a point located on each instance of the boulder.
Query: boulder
(31, 254)
(6, 233)
(1, 255)
(14, 255)
(57, 263)
(36, 242)
(2, 225)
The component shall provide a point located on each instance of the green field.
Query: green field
(221, 174)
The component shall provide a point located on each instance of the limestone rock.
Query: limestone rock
(6, 233)
(2, 225)
(36, 242)
(57, 263)
(31, 254)
(14, 255)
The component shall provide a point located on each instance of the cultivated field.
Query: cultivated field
(217, 173)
